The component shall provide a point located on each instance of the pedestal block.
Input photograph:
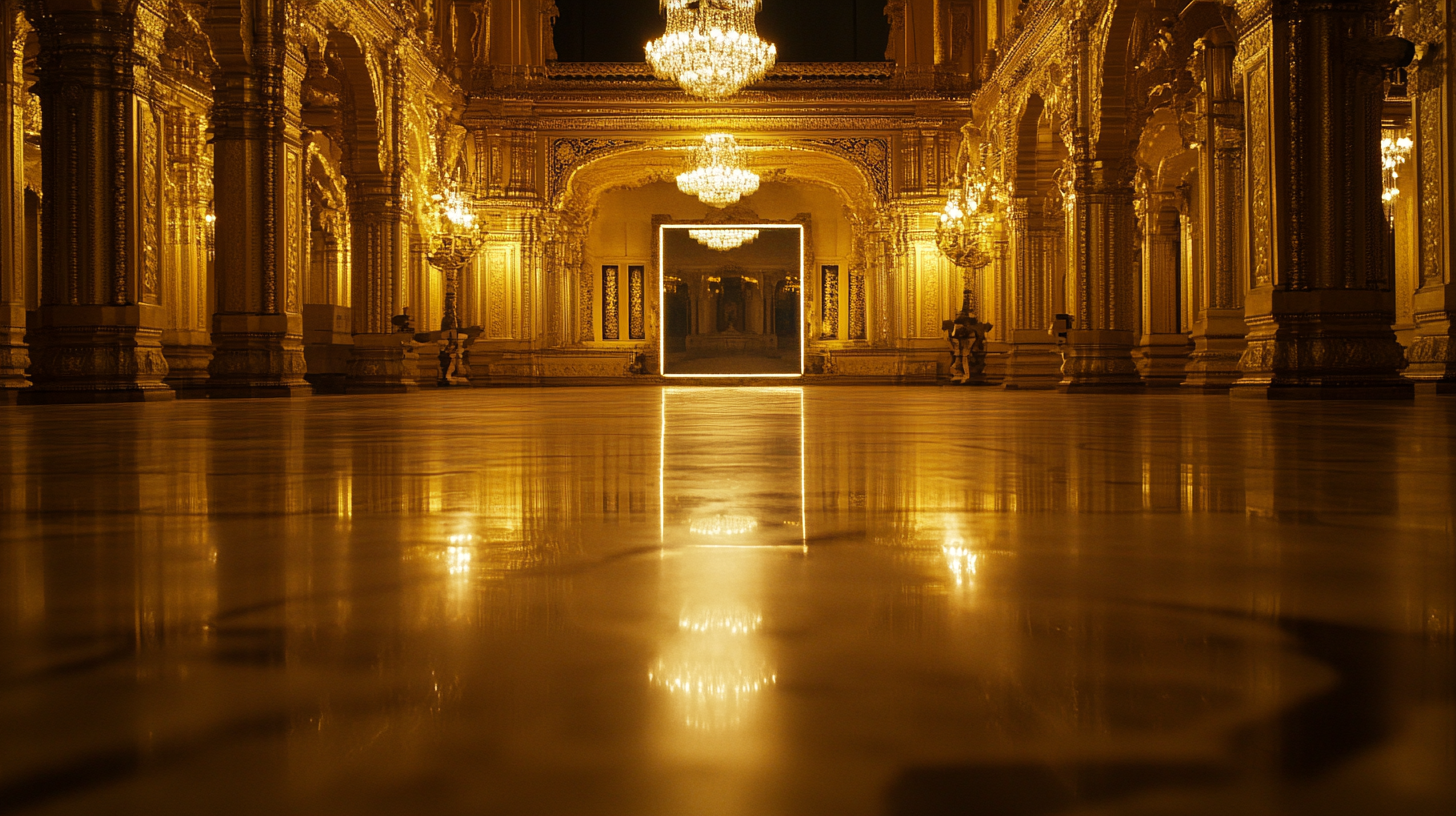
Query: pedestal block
(1099, 360)
(14, 354)
(1432, 355)
(328, 343)
(1034, 362)
(1161, 358)
(188, 353)
(1324, 344)
(97, 354)
(257, 356)
(383, 363)
(1218, 345)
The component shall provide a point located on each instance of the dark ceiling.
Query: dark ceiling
(803, 30)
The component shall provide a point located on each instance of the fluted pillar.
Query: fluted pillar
(1102, 291)
(1217, 316)
(1321, 308)
(383, 360)
(98, 332)
(1432, 354)
(1162, 346)
(1034, 362)
(261, 227)
(14, 356)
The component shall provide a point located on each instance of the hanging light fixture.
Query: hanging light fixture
(723, 239)
(718, 177)
(711, 47)
(1394, 149)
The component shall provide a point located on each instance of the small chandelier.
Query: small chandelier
(962, 228)
(723, 239)
(1393, 153)
(453, 244)
(711, 47)
(456, 233)
(718, 177)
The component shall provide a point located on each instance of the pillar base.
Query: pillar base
(1161, 359)
(257, 356)
(383, 364)
(1323, 356)
(1099, 361)
(1034, 363)
(86, 354)
(328, 342)
(188, 355)
(1432, 358)
(1218, 345)
(14, 354)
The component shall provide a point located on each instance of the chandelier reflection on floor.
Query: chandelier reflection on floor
(722, 525)
(718, 177)
(723, 239)
(711, 47)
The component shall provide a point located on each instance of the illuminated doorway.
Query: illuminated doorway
(731, 311)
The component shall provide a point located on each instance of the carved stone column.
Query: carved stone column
(1218, 323)
(186, 342)
(261, 227)
(1432, 354)
(1033, 362)
(1103, 298)
(1321, 307)
(14, 357)
(97, 335)
(1162, 347)
(383, 360)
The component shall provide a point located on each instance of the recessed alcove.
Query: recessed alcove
(736, 311)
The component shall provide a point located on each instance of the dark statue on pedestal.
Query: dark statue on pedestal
(967, 338)
(454, 342)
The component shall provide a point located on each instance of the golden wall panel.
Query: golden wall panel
(636, 303)
(856, 306)
(611, 320)
(830, 293)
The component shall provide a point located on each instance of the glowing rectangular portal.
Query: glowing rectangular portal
(728, 309)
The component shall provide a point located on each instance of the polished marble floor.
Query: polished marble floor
(728, 601)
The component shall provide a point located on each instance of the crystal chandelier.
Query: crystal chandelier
(723, 239)
(711, 47)
(962, 227)
(454, 241)
(718, 177)
(1394, 150)
(453, 244)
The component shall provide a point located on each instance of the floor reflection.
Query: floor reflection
(728, 601)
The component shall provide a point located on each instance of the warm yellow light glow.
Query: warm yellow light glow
(731, 623)
(723, 239)
(1393, 153)
(723, 525)
(458, 560)
(718, 177)
(716, 682)
(961, 560)
(711, 48)
(661, 294)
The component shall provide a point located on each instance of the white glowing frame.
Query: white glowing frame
(662, 297)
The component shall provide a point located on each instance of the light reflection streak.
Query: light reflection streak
(714, 668)
(725, 622)
(722, 525)
(730, 523)
(961, 560)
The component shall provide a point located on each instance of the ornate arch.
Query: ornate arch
(623, 164)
